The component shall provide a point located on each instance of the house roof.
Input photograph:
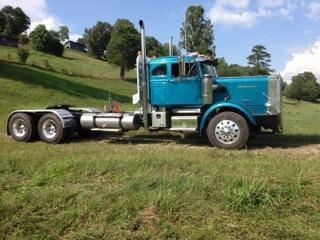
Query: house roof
(77, 43)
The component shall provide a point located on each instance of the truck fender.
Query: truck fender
(65, 116)
(229, 106)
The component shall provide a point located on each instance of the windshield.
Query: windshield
(208, 68)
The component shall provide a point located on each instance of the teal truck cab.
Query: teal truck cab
(185, 94)
(175, 93)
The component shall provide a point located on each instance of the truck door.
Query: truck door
(158, 84)
(186, 90)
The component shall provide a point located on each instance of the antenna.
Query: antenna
(185, 32)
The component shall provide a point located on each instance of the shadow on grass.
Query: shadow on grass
(192, 139)
(131, 80)
(151, 138)
(71, 58)
(283, 141)
(49, 81)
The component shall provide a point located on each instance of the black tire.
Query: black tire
(228, 130)
(22, 127)
(50, 129)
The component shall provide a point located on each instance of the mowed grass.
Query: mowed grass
(152, 186)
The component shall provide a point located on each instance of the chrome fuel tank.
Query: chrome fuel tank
(120, 121)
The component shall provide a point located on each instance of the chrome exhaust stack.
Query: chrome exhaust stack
(145, 104)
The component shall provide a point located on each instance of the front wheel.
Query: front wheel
(228, 130)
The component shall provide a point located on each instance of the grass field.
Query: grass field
(139, 186)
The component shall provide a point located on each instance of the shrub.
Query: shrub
(23, 54)
(45, 41)
(55, 47)
(46, 65)
(304, 87)
(23, 39)
(9, 57)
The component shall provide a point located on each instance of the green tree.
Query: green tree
(63, 33)
(123, 46)
(16, 21)
(81, 40)
(55, 47)
(97, 38)
(197, 32)
(175, 49)
(222, 67)
(45, 41)
(154, 47)
(55, 34)
(259, 60)
(2, 21)
(304, 87)
(232, 70)
(284, 84)
(39, 38)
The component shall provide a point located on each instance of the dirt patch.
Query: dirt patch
(147, 220)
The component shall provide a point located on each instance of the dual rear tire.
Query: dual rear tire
(22, 127)
(50, 129)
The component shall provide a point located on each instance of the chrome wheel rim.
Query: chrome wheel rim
(19, 128)
(227, 132)
(49, 129)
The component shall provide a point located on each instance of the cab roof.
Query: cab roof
(176, 59)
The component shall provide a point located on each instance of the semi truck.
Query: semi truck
(174, 93)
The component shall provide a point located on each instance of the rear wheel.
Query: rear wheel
(22, 127)
(228, 130)
(51, 130)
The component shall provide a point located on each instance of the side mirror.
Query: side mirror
(182, 68)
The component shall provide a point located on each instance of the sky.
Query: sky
(289, 29)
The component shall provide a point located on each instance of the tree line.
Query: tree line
(14, 23)
(119, 43)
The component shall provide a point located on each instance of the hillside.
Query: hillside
(139, 186)
(72, 63)
(45, 80)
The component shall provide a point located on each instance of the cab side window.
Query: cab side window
(191, 70)
(175, 70)
(160, 70)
